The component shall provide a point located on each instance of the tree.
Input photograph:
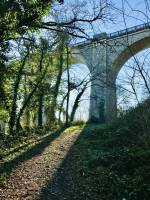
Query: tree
(20, 22)
(16, 88)
(40, 60)
(60, 65)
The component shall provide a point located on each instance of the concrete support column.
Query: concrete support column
(111, 99)
(103, 106)
(97, 98)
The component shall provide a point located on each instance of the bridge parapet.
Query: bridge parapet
(102, 36)
(129, 30)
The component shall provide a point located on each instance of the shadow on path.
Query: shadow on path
(64, 184)
(104, 163)
(15, 150)
(37, 149)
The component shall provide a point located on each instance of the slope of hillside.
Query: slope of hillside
(114, 161)
(91, 162)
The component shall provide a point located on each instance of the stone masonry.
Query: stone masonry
(104, 55)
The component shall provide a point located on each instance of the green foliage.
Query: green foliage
(36, 71)
(78, 123)
(12, 147)
(17, 17)
(3, 115)
(2, 178)
(114, 159)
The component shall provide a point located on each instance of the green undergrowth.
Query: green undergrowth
(78, 123)
(75, 128)
(24, 145)
(114, 159)
(13, 148)
(12, 143)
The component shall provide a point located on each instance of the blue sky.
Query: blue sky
(135, 13)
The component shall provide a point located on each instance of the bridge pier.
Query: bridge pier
(97, 102)
(111, 97)
(103, 100)
(105, 55)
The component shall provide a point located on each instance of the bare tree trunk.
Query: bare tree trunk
(40, 109)
(41, 94)
(57, 86)
(27, 117)
(61, 107)
(12, 120)
(76, 104)
(68, 93)
(27, 100)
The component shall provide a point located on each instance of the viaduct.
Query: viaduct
(104, 55)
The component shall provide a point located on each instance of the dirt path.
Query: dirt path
(42, 177)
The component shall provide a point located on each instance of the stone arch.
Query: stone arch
(106, 57)
(128, 52)
(119, 60)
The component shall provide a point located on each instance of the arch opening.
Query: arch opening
(129, 52)
(133, 80)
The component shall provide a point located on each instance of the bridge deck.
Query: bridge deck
(117, 33)
(129, 30)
